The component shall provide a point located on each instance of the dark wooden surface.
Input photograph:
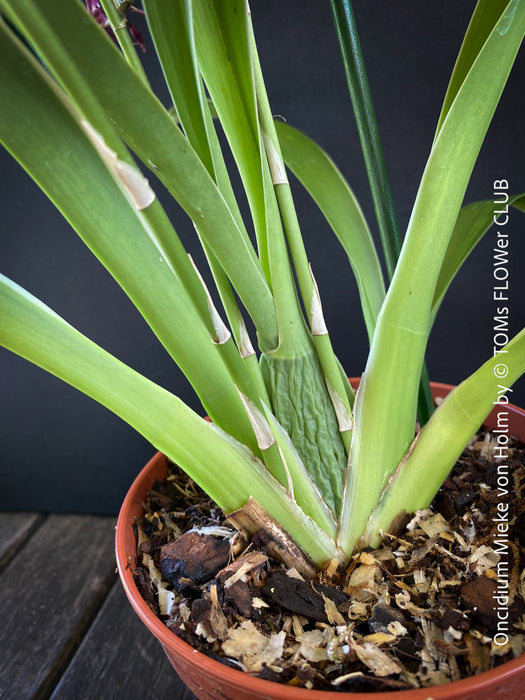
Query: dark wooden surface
(67, 631)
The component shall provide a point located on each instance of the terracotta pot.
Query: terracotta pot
(211, 680)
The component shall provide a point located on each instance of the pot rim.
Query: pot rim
(231, 676)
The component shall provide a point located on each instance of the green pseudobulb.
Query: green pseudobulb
(302, 404)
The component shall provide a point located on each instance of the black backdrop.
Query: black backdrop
(60, 450)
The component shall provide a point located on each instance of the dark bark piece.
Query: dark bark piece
(454, 619)
(519, 529)
(406, 649)
(464, 498)
(369, 684)
(143, 583)
(383, 615)
(50, 593)
(120, 659)
(160, 500)
(399, 523)
(444, 503)
(195, 557)
(15, 529)
(185, 630)
(301, 597)
(200, 610)
(240, 595)
(478, 596)
(209, 617)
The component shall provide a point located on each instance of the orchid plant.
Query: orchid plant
(334, 470)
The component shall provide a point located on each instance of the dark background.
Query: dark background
(61, 451)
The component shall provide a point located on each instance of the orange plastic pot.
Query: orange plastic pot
(211, 680)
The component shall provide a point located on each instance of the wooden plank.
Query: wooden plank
(120, 660)
(15, 529)
(48, 596)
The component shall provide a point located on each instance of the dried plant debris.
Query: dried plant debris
(442, 600)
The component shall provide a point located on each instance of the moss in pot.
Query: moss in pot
(331, 470)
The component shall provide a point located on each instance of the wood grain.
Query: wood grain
(120, 660)
(49, 595)
(15, 529)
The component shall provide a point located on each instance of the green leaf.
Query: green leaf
(225, 469)
(473, 222)
(386, 402)
(223, 49)
(171, 27)
(484, 18)
(443, 439)
(59, 155)
(283, 461)
(111, 96)
(340, 392)
(372, 149)
(332, 194)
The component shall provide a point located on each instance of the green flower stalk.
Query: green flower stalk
(78, 113)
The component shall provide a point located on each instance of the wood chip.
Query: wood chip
(217, 619)
(242, 567)
(397, 629)
(293, 573)
(434, 525)
(332, 613)
(297, 626)
(367, 558)
(379, 638)
(364, 581)
(252, 648)
(358, 611)
(331, 569)
(311, 645)
(379, 662)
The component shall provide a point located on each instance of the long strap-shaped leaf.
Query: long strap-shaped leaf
(226, 60)
(386, 402)
(60, 157)
(444, 437)
(171, 26)
(226, 470)
(473, 222)
(223, 49)
(98, 78)
(314, 410)
(485, 16)
(364, 113)
(325, 183)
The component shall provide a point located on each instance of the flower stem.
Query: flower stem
(374, 160)
(119, 26)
